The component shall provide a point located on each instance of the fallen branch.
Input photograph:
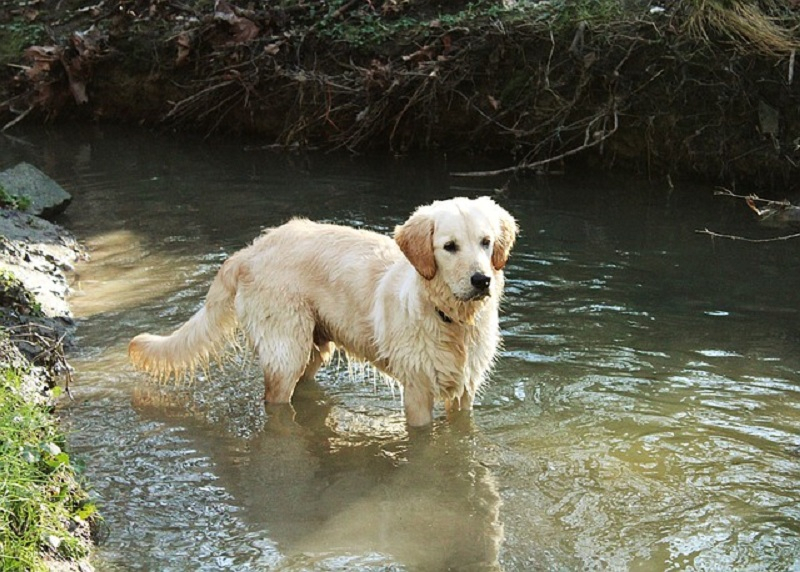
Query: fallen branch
(17, 119)
(728, 193)
(713, 234)
(782, 212)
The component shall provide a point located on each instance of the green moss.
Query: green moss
(9, 201)
(15, 37)
(367, 27)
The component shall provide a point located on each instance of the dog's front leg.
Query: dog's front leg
(278, 390)
(418, 403)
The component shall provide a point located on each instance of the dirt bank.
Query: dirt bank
(47, 522)
(703, 88)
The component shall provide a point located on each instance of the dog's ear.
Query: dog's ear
(415, 239)
(505, 239)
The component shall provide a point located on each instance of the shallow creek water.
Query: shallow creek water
(644, 413)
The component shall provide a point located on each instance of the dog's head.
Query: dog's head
(463, 241)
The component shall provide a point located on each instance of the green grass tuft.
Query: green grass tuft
(15, 202)
(40, 499)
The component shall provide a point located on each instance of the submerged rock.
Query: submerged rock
(41, 195)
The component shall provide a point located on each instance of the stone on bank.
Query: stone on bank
(43, 196)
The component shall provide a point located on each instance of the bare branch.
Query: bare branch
(588, 143)
(728, 193)
(713, 234)
(17, 119)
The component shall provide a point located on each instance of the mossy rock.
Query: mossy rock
(28, 189)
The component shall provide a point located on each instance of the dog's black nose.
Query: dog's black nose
(480, 281)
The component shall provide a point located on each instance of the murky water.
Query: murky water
(645, 413)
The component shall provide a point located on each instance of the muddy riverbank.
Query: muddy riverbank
(47, 517)
(680, 89)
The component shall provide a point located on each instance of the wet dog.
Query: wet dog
(422, 308)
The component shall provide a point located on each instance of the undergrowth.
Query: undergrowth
(41, 503)
(16, 298)
(17, 35)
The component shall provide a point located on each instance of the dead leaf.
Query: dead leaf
(184, 42)
(752, 204)
(424, 53)
(244, 30)
(241, 29)
(30, 14)
(77, 74)
(43, 59)
(390, 7)
(78, 63)
(273, 49)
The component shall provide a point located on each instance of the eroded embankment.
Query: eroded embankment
(46, 516)
(686, 88)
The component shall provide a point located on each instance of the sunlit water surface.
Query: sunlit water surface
(644, 414)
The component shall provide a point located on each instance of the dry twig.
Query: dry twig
(746, 239)
(591, 139)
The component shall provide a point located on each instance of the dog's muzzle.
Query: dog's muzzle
(481, 285)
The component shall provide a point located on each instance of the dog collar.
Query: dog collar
(445, 318)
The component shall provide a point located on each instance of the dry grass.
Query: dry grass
(766, 26)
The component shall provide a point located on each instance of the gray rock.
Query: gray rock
(47, 198)
(39, 253)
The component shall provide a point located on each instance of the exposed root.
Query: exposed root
(592, 138)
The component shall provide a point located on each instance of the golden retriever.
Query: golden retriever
(422, 308)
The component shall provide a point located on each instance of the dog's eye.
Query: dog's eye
(486, 242)
(451, 246)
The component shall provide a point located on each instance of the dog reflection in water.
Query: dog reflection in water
(330, 484)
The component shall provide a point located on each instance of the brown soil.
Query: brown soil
(657, 91)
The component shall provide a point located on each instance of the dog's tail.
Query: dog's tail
(196, 341)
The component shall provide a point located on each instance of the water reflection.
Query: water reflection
(325, 482)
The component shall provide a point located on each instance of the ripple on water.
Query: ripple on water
(644, 413)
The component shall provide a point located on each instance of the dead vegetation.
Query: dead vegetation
(693, 87)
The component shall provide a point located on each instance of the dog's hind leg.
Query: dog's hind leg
(284, 361)
(320, 354)
(282, 335)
